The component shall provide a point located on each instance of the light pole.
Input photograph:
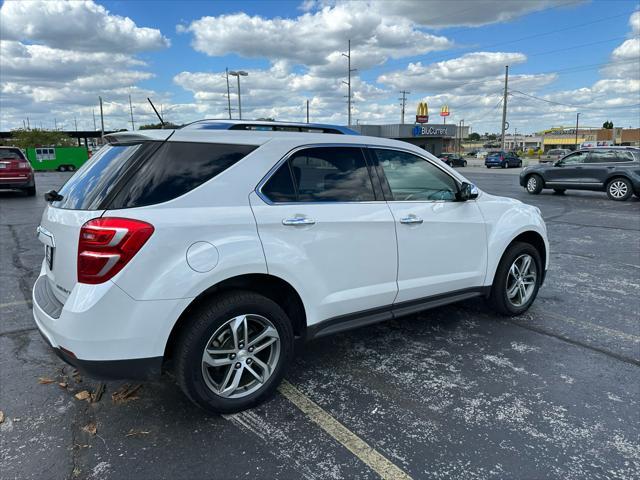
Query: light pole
(238, 74)
(577, 120)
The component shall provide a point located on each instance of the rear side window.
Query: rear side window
(175, 169)
(126, 176)
(324, 174)
(609, 156)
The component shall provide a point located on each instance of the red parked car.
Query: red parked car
(16, 172)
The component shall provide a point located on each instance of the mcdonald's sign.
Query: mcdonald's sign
(422, 115)
(444, 111)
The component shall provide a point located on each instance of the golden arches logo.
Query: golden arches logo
(444, 111)
(422, 115)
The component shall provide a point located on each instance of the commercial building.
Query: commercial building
(435, 138)
(522, 142)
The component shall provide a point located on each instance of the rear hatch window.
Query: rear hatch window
(11, 154)
(147, 173)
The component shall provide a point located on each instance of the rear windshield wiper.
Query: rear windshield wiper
(53, 196)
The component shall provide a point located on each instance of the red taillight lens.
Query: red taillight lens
(501, 157)
(24, 166)
(106, 245)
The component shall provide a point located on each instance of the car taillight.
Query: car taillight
(107, 244)
(24, 165)
(501, 157)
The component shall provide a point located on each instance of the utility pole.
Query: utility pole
(75, 122)
(515, 139)
(55, 123)
(504, 103)
(577, 121)
(404, 103)
(93, 111)
(133, 127)
(307, 111)
(226, 70)
(101, 121)
(28, 124)
(348, 82)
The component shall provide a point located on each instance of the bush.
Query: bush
(33, 138)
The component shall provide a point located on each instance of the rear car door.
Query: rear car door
(601, 163)
(441, 242)
(326, 231)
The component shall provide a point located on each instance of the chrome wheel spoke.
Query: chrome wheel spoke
(266, 370)
(212, 361)
(255, 374)
(227, 388)
(511, 292)
(526, 264)
(269, 333)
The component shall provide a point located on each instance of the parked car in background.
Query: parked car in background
(502, 159)
(16, 172)
(453, 160)
(481, 153)
(554, 155)
(615, 170)
(287, 236)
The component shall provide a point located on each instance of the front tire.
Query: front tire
(505, 165)
(534, 184)
(619, 189)
(464, 164)
(517, 280)
(234, 352)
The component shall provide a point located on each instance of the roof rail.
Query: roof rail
(270, 126)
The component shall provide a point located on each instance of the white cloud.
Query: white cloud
(634, 21)
(76, 25)
(316, 39)
(58, 57)
(469, 13)
(469, 68)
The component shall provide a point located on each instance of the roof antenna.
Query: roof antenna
(154, 109)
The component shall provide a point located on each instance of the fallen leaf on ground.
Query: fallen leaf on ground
(1, 416)
(90, 428)
(63, 384)
(136, 433)
(97, 395)
(45, 380)
(83, 395)
(125, 393)
(78, 446)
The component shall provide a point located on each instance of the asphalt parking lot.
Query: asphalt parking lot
(456, 392)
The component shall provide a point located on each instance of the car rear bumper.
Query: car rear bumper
(16, 181)
(104, 332)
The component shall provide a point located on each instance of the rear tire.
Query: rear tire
(619, 189)
(505, 280)
(62, 168)
(534, 184)
(216, 320)
(504, 165)
(71, 168)
(464, 164)
(30, 191)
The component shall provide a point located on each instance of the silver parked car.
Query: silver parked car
(554, 155)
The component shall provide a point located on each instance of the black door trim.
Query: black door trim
(381, 314)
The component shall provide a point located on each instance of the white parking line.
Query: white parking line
(19, 302)
(361, 449)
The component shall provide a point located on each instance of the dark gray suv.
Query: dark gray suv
(615, 170)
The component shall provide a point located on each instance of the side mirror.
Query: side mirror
(467, 191)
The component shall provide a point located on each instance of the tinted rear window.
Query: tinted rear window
(11, 154)
(175, 169)
(145, 174)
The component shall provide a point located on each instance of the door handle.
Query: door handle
(297, 221)
(411, 219)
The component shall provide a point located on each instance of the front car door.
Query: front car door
(568, 171)
(326, 231)
(442, 245)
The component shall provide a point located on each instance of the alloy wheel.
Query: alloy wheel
(532, 184)
(618, 189)
(521, 280)
(241, 356)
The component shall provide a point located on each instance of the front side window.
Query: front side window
(322, 174)
(414, 178)
(574, 159)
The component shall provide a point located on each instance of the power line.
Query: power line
(581, 107)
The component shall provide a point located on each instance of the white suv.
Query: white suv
(212, 252)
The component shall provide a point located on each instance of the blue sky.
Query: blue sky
(576, 55)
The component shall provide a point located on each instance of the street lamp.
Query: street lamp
(577, 120)
(238, 74)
